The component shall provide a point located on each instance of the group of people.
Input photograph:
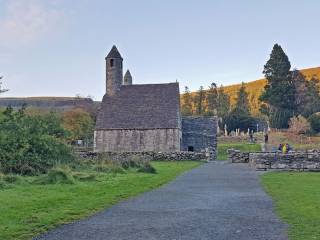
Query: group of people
(284, 148)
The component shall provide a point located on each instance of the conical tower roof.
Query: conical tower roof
(128, 74)
(114, 53)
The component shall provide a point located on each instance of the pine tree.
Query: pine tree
(307, 98)
(212, 100)
(242, 100)
(187, 102)
(200, 101)
(223, 103)
(279, 93)
(240, 116)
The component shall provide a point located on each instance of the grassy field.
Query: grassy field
(245, 147)
(297, 200)
(28, 209)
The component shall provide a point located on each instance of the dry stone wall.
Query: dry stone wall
(236, 156)
(148, 156)
(299, 161)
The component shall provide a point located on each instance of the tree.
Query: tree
(79, 123)
(212, 100)
(307, 98)
(240, 116)
(279, 92)
(299, 125)
(239, 119)
(30, 144)
(242, 102)
(223, 103)
(314, 120)
(200, 101)
(2, 90)
(187, 102)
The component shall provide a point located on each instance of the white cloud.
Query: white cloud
(26, 21)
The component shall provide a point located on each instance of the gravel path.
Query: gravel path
(215, 201)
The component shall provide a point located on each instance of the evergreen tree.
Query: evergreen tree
(200, 101)
(240, 116)
(223, 103)
(212, 100)
(279, 93)
(307, 94)
(187, 102)
(242, 100)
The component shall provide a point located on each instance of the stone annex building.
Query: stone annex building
(147, 117)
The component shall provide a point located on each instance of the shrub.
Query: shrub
(314, 120)
(56, 175)
(147, 168)
(11, 178)
(3, 184)
(299, 125)
(31, 145)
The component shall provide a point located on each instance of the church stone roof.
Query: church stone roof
(127, 74)
(114, 53)
(145, 106)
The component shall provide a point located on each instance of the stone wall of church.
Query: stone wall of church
(149, 140)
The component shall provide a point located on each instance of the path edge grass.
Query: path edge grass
(166, 178)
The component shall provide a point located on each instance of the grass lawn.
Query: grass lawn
(297, 200)
(27, 209)
(244, 147)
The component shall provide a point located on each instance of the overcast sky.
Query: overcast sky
(57, 47)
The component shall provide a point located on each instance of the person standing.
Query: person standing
(266, 138)
(251, 136)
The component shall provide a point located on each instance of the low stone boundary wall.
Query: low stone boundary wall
(148, 156)
(236, 156)
(299, 161)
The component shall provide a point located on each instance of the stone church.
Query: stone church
(146, 117)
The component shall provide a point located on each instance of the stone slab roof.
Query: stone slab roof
(145, 106)
(114, 53)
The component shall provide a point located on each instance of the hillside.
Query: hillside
(50, 103)
(256, 87)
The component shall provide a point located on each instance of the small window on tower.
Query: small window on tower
(111, 62)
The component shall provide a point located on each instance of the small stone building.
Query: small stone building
(199, 133)
(146, 117)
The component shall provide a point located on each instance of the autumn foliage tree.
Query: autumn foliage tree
(199, 101)
(79, 123)
(212, 100)
(186, 107)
